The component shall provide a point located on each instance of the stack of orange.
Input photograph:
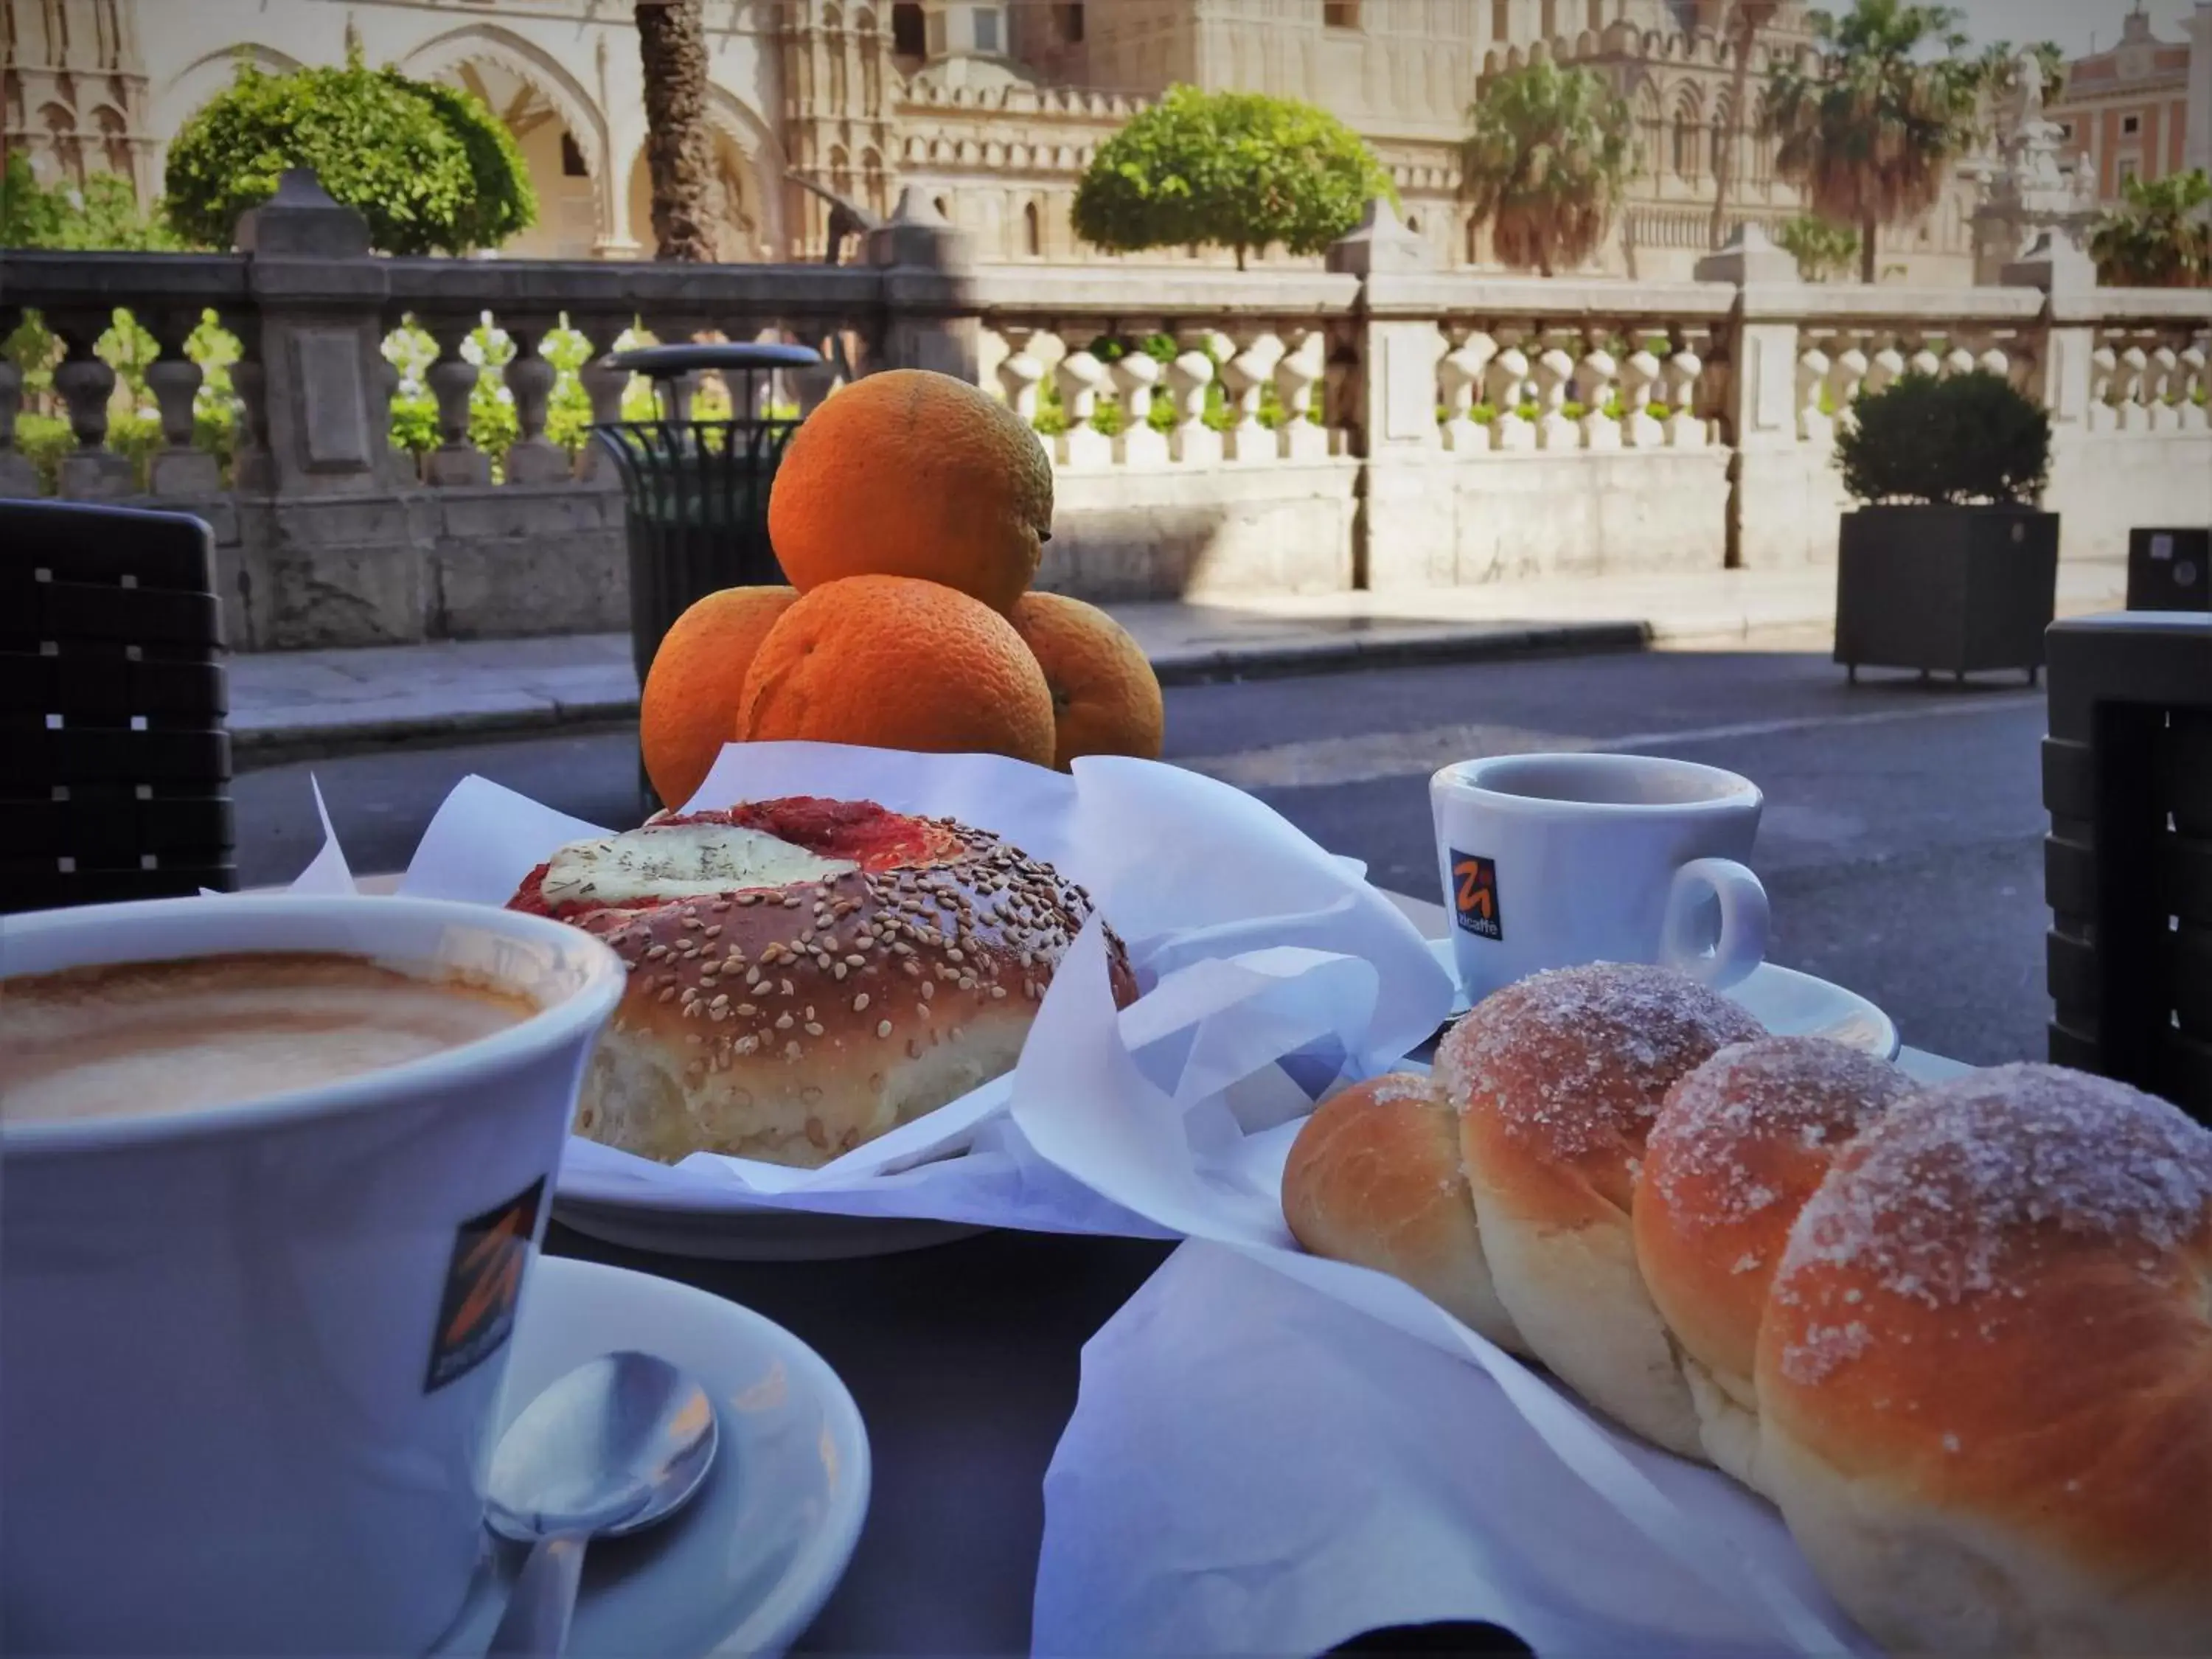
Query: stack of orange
(910, 513)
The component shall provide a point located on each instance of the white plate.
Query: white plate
(746, 1566)
(1786, 1002)
(723, 1234)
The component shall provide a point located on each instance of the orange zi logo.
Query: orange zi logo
(483, 1280)
(1475, 895)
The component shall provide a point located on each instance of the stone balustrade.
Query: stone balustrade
(1376, 423)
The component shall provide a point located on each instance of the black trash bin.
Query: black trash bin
(2169, 569)
(698, 490)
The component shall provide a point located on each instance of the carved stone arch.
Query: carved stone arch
(756, 146)
(178, 98)
(488, 43)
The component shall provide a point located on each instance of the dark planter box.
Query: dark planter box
(1955, 590)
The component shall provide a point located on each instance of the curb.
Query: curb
(277, 743)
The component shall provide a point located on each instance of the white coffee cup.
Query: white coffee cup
(232, 1416)
(1556, 860)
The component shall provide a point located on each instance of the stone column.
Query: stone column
(1403, 537)
(930, 317)
(332, 555)
(1782, 503)
(2064, 374)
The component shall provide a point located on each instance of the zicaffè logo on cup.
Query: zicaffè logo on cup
(483, 1281)
(1475, 895)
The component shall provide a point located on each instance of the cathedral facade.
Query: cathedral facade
(992, 109)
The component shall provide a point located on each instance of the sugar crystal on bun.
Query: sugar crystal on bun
(1984, 1371)
(1557, 1080)
(1738, 1147)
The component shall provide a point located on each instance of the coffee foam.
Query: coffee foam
(149, 1038)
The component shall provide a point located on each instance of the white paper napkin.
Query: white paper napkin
(1326, 1500)
(1270, 966)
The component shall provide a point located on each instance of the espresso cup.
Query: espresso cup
(1556, 860)
(250, 1354)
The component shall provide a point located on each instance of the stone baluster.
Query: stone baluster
(1640, 378)
(1080, 378)
(1814, 424)
(604, 386)
(2104, 378)
(85, 383)
(1020, 374)
(18, 476)
(2165, 383)
(456, 461)
(1555, 374)
(535, 459)
(1299, 370)
(1924, 362)
(1885, 368)
(2132, 390)
(1958, 361)
(2193, 417)
(1685, 423)
(1245, 376)
(1508, 389)
(1847, 377)
(1190, 441)
(1137, 378)
(1994, 361)
(253, 463)
(180, 468)
(1460, 377)
(1598, 378)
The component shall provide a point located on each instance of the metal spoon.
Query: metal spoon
(616, 1445)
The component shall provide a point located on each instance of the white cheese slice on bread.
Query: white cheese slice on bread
(663, 862)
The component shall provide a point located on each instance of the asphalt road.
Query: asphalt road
(1901, 843)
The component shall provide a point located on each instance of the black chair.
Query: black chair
(114, 762)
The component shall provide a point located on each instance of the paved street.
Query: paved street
(1901, 843)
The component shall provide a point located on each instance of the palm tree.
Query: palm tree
(2160, 237)
(1751, 16)
(679, 152)
(1870, 130)
(1550, 154)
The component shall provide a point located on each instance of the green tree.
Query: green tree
(1870, 128)
(103, 212)
(1238, 170)
(2161, 236)
(1821, 249)
(431, 168)
(1550, 154)
(679, 154)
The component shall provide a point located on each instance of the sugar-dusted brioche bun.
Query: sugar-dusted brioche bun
(1374, 1177)
(1557, 1080)
(805, 974)
(1739, 1145)
(1985, 1372)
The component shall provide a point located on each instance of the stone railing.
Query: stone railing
(1378, 423)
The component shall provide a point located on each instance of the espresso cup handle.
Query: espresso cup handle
(1742, 943)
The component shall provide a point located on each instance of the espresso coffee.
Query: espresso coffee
(136, 1039)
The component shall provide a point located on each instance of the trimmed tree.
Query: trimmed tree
(2159, 236)
(1871, 128)
(679, 151)
(430, 168)
(1549, 157)
(1237, 170)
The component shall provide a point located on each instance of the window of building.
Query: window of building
(2066, 129)
(1032, 232)
(1071, 23)
(1686, 147)
(572, 158)
(1501, 20)
(1596, 14)
(2130, 125)
(1339, 13)
(909, 34)
(986, 28)
(2128, 168)
(1551, 18)
(936, 35)
(1413, 223)
(1720, 152)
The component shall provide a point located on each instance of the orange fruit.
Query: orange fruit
(690, 696)
(889, 662)
(907, 473)
(1105, 698)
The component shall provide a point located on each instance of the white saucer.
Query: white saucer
(746, 1566)
(722, 1234)
(1786, 1002)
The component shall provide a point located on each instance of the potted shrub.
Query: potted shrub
(1947, 563)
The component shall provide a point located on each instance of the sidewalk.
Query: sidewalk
(289, 705)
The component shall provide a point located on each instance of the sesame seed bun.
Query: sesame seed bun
(795, 1018)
